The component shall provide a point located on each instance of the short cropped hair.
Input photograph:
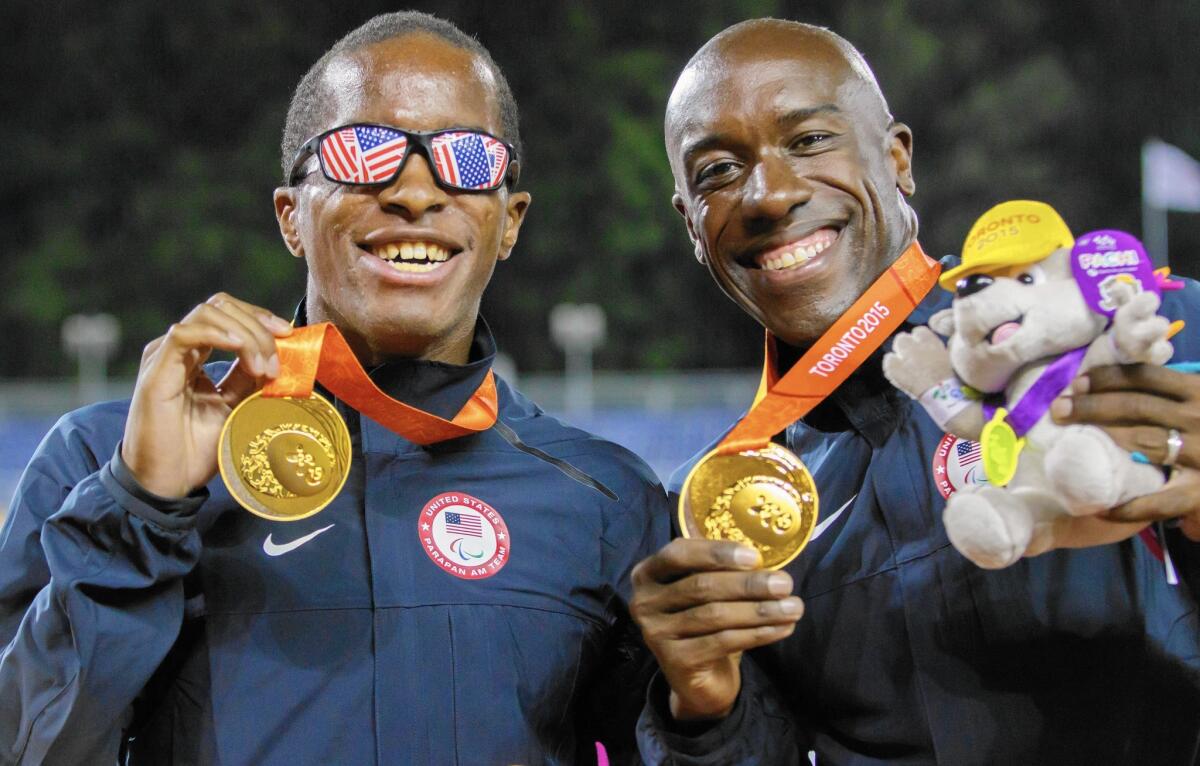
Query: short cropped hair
(304, 112)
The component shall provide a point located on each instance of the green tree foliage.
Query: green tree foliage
(141, 148)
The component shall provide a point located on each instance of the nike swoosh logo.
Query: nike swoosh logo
(274, 549)
(824, 525)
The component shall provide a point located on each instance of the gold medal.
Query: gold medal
(284, 458)
(764, 497)
(1001, 449)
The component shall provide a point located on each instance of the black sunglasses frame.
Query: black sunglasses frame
(416, 138)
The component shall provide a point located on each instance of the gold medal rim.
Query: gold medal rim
(345, 473)
(786, 456)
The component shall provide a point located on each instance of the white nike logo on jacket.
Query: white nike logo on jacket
(275, 549)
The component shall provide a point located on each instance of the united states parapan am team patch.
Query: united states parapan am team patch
(957, 463)
(464, 536)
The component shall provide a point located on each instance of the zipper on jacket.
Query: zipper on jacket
(511, 437)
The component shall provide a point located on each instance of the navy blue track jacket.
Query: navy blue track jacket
(910, 654)
(192, 632)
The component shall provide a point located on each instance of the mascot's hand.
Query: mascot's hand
(917, 362)
(1139, 334)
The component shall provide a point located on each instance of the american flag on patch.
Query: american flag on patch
(968, 453)
(469, 160)
(364, 154)
(464, 524)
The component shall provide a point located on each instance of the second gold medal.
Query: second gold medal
(761, 497)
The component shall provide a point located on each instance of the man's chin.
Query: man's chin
(798, 333)
(398, 334)
(800, 323)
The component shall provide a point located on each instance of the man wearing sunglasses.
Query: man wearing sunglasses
(460, 601)
(792, 178)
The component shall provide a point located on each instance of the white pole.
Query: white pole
(579, 398)
(1154, 219)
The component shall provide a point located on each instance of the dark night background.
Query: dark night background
(141, 147)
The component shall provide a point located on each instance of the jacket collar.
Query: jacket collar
(437, 387)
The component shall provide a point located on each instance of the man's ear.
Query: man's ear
(943, 322)
(285, 214)
(517, 205)
(900, 149)
(677, 202)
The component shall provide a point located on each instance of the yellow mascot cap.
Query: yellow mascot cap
(1011, 233)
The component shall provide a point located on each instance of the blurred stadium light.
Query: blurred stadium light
(91, 339)
(578, 329)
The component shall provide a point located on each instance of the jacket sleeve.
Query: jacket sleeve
(759, 731)
(91, 597)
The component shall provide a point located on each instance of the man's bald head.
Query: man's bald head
(764, 39)
(789, 171)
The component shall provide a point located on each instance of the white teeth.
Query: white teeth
(411, 251)
(795, 257)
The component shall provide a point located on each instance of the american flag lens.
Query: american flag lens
(372, 154)
(469, 160)
(363, 154)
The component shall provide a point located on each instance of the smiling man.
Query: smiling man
(792, 178)
(460, 601)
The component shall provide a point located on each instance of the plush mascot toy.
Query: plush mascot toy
(1033, 308)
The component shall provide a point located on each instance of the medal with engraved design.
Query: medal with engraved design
(762, 497)
(284, 452)
(284, 458)
(752, 491)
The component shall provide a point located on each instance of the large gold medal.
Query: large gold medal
(763, 497)
(284, 458)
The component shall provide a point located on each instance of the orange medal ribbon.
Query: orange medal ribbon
(320, 352)
(840, 351)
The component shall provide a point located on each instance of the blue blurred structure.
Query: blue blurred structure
(19, 437)
(663, 439)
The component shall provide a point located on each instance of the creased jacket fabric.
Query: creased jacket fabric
(192, 632)
(910, 654)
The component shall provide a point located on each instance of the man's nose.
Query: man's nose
(774, 189)
(415, 190)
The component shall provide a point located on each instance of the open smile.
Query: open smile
(414, 257)
(409, 252)
(794, 253)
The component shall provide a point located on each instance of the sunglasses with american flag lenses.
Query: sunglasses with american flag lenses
(462, 159)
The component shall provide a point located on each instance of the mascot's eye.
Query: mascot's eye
(972, 284)
(1035, 276)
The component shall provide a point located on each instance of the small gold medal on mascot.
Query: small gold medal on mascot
(764, 497)
(1001, 447)
(284, 458)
